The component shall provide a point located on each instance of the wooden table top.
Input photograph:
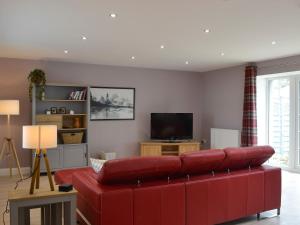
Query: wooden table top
(23, 194)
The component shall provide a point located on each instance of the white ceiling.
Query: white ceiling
(242, 29)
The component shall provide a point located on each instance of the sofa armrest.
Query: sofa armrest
(272, 187)
(112, 204)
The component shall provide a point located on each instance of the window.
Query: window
(279, 120)
(278, 110)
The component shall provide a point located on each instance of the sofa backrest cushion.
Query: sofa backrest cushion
(240, 158)
(130, 170)
(202, 161)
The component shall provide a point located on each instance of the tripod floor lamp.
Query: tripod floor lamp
(8, 108)
(40, 138)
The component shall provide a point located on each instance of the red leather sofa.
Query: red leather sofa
(202, 188)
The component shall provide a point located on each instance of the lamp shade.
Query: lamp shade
(40, 137)
(9, 107)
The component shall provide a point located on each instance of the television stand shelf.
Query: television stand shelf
(167, 148)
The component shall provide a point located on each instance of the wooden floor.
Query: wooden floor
(290, 211)
(7, 184)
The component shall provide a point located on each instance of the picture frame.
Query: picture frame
(62, 110)
(53, 110)
(112, 103)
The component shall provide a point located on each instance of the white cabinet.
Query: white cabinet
(54, 157)
(66, 156)
(74, 156)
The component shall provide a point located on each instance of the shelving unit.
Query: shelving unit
(57, 95)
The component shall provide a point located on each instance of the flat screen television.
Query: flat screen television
(171, 126)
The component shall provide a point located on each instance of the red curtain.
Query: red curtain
(249, 131)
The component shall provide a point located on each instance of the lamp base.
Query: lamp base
(8, 146)
(35, 180)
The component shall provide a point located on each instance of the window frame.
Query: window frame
(294, 125)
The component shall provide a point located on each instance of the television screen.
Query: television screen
(171, 126)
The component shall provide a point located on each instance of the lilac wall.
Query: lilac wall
(216, 98)
(13, 85)
(156, 91)
(222, 100)
(223, 92)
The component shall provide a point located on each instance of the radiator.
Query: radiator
(223, 138)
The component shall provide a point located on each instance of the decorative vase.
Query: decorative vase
(43, 96)
(76, 122)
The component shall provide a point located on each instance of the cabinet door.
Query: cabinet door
(54, 157)
(188, 148)
(150, 150)
(74, 155)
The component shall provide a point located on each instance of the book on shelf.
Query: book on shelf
(78, 95)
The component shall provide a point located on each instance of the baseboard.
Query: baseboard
(24, 171)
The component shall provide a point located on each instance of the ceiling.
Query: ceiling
(241, 29)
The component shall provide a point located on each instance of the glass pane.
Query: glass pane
(261, 103)
(279, 120)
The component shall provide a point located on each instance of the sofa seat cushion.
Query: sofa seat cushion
(201, 162)
(65, 176)
(131, 170)
(240, 158)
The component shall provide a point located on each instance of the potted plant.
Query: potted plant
(37, 77)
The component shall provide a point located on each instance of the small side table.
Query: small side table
(54, 206)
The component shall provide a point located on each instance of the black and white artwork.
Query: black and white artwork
(108, 103)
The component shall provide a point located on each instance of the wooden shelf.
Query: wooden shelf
(175, 154)
(62, 100)
(79, 114)
(169, 152)
(71, 129)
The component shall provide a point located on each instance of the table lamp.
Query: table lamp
(9, 108)
(40, 138)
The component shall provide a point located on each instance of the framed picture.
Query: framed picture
(62, 110)
(53, 110)
(112, 103)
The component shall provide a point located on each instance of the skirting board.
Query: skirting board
(24, 171)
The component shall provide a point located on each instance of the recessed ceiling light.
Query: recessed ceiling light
(273, 43)
(66, 51)
(187, 62)
(162, 46)
(113, 15)
(207, 30)
(133, 57)
(222, 54)
(84, 37)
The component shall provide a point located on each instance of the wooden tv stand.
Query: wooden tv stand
(168, 148)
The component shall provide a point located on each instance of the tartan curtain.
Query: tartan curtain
(249, 131)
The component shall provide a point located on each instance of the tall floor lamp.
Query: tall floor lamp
(40, 138)
(8, 108)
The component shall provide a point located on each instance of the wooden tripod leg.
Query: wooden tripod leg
(35, 171)
(48, 169)
(14, 151)
(4, 145)
(10, 160)
(37, 180)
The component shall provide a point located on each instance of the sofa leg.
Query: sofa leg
(258, 216)
(278, 212)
